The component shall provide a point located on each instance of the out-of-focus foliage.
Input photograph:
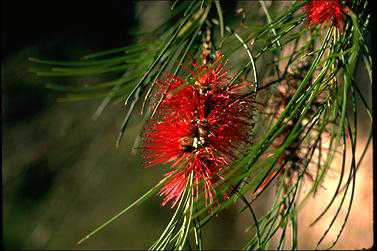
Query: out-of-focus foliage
(308, 103)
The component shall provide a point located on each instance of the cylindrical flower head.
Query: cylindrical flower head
(323, 11)
(200, 128)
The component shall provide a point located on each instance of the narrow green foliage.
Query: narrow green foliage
(305, 91)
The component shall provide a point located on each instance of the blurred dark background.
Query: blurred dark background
(62, 175)
(61, 172)
(57, 30)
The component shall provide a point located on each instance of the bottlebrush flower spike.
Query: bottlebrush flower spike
(293, 159)
(322, 11)
(200, 128)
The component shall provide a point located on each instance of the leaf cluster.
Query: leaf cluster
(308, 124)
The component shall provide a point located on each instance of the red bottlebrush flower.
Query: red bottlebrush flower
(322, 11)
(200, 128)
